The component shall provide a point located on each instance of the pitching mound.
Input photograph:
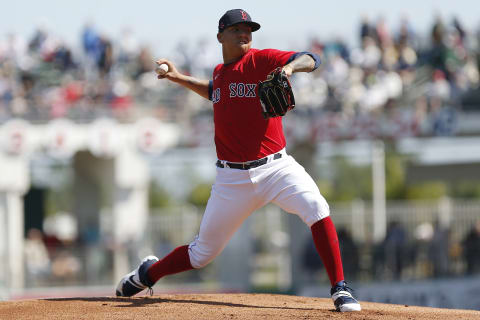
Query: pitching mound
(215, 306)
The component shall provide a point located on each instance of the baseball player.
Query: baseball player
(253, 168)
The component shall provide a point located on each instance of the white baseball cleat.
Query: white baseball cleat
(137, 280)
(343, 299)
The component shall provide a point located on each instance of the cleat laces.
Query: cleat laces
(150, 291)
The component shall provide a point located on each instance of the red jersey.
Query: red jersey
(241, 132)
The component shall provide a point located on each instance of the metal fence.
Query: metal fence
(424, 240)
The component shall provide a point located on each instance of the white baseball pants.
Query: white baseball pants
(237, 193)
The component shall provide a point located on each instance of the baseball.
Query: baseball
(161, 69)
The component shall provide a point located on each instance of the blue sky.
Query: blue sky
(285, 24)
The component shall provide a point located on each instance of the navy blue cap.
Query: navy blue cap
(236, 16)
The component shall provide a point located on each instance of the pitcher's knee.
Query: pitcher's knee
(200, 257)
(198, 261)
(316, 210)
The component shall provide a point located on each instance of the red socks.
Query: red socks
(326, 241)
(175, 262)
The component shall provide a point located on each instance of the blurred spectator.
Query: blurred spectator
(310, 258)
(405, 34)
(395, 249)
(423, 235)
(471, 248)
(62, 58)
(390, 255)
(459, 29)
(144, 62)
(38, 39)
(407, 57)
(37, 260)
(65, 266)
(382, 33)
(439, 87)
(105, 56)
(62, 233)
(438, 31)
(90, 41)
(368, 56)
(366, 29)
(439, 251)
(350, 254)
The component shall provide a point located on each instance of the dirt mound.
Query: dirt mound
(215, 306)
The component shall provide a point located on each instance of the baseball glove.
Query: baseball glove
(276, 95)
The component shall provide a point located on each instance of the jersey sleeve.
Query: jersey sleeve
(274, 58)
(210, 90)
(314, 56)
(210, 82)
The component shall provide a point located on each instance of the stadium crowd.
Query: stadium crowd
(43, 78)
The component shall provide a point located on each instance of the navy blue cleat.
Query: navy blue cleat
(343, 299)
(137, 280)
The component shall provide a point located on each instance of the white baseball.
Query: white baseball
(161, 69)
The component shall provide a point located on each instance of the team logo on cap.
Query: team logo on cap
(244, 15)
